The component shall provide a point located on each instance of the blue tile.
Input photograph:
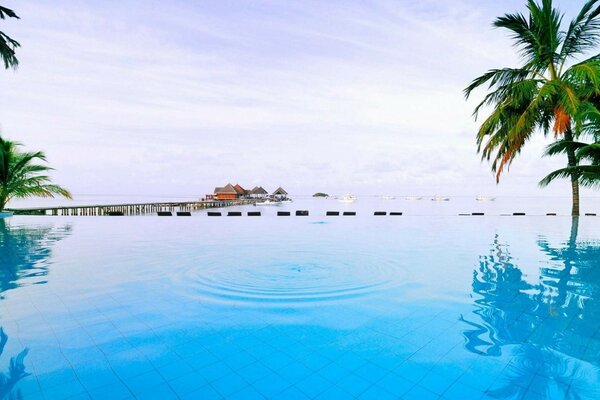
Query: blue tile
(292, 393)
(187, 383)
(143, 382)
(214, 371)
(371, 372)
(377, 393)
(463, 392)
(57, 377)
(334, 393)
(334, 372)
(64, 391)
(248, 393)
(96, 379)
(351, 361)
(420, 393)
(271, 385)
(294, 372)
(395, 384)
(354, 384)
(315, 361)
(174, 370)
(436, 383)
(205, 393)
(116, 391)
(229, 384)
(161, 392)
(314, 385)
(239, 360)
(412, 371)
(277, 360)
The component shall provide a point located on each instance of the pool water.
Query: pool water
(379, 308)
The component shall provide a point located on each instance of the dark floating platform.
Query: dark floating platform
(283, 213)
(254, 213)
(519, 213)
(551, 214)
(395, 213)
(380, 213)
(184, 214)
(302, 213)
(234, 214)
(164, 213)
(332, 213)
(115, 213)
(349, 213)
(590, 214)
(478, 213)
(213, 214)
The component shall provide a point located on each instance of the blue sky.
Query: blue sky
(174, 98)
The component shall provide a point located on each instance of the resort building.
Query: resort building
(227, 192)
(280, 193)
(258, 193)
(240, 191)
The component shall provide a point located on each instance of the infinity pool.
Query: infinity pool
(300, 308)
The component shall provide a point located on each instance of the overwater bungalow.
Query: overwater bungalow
(258, 193)
(280, 193)
(227, 192)
(240, 191)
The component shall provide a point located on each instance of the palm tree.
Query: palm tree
(20, 177)
(548, 92)
(588, 174)
(7, 44)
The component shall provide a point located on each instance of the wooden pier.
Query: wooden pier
(131, 209)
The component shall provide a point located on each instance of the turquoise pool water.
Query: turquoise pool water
(300, 308)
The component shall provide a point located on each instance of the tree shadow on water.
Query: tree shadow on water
(25, 253)
(547, 329)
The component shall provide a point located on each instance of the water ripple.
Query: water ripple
(287, 276)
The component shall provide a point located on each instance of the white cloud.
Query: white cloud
(147, 98)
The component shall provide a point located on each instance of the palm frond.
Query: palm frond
(7, 12)
(21, 177)
(583, 33)
(587, 175)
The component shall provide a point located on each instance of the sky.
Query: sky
(173, 98)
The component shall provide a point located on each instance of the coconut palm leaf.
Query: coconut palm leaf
(22, 177)
(7, 44)
(583, 33)
(588, 175)
(551, 91)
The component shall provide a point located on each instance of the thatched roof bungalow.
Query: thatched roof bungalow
(258, 192)
(227, 192)
(280, 193)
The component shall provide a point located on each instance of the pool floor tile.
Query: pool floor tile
(395, 384)
(271, 385)
(187, 383)
(420, 393)
(353, 384)
(313, 385)
(229, 384)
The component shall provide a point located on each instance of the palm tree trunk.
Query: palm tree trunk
(572, 162)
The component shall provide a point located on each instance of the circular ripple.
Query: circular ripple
(287, 276)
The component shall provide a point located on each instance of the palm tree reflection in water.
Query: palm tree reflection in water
(24, 255)
(547, 328)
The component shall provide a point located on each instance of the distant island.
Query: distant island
(319, 194)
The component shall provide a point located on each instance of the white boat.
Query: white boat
(485, 198)
(268, 202)
(440, 198)
(388, 197)
(412, 198)
(5, 214)
(347, 198)
(286, 201)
